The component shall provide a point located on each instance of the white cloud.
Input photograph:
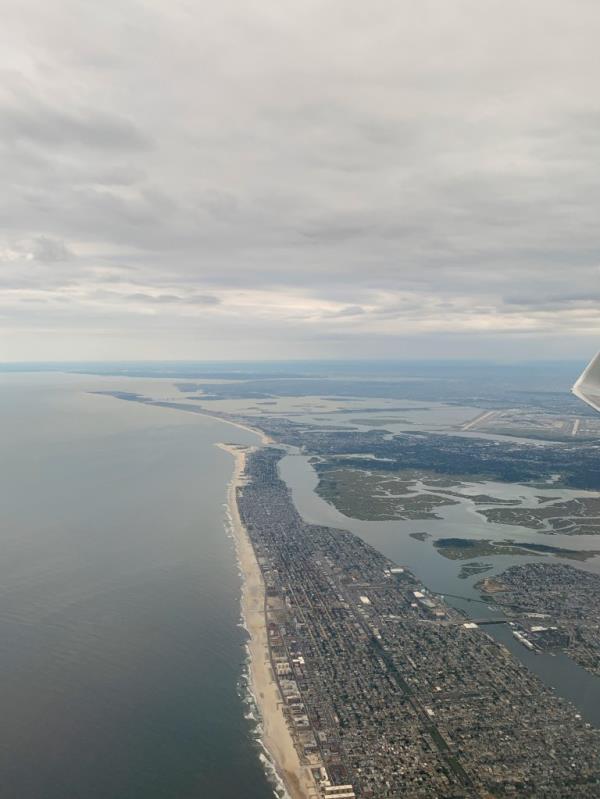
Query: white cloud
(197, 179)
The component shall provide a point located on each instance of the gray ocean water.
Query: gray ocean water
(120, 645)
(120, 648)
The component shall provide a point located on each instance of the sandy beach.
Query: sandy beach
(276, 736)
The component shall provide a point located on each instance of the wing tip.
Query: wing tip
(587, 386)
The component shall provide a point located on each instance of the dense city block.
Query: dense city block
(388, 690)
(557, 607)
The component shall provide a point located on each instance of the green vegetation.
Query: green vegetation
(469, 569)
(377, 496)
(468, 548)
(420, 536)
(480, 499)
(373, 422)
(579, 516)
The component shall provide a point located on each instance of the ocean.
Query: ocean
(122, 656)
(121, 650)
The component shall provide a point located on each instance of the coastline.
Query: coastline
(276, 737)
(264, 438)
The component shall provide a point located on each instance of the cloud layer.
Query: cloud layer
(278, 179)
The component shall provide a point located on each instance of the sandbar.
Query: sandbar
(276, 735)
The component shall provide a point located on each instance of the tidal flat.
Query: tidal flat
(366, 494)
(468, 548)
(577, 516)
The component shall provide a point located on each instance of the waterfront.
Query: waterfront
(120, 594)
(387, 689)
(120, 644)
(440, 574)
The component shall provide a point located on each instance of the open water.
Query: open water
(120, 645)
(121, 649)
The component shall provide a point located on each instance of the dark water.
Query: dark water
(439, 574)
(120, 649)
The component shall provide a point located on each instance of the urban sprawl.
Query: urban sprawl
(387, 690)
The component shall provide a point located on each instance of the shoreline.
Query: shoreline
(264, 438)
(276, 737)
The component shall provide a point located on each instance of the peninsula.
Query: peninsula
(276, 735)
(370, 686)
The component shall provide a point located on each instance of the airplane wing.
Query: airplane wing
(587, 388)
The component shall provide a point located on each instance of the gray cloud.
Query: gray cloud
(50, 250)
(162, 299)
(36, 122)
(350, 310)
(275, 176)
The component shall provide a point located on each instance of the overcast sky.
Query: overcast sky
(271, 179)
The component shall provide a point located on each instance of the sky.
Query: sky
(187, 179)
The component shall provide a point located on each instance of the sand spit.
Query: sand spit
(276, 736)
(233, 448)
